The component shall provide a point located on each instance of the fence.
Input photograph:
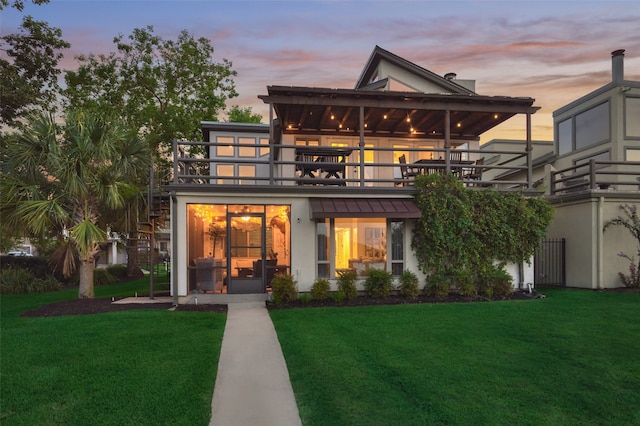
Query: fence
(549, 263)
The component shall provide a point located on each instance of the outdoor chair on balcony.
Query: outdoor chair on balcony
(408, 173)
(475, 174)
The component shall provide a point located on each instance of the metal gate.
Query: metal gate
(549, 263)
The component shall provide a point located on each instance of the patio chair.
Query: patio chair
(408, 173)
(476, 171)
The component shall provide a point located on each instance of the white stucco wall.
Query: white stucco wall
(592, 259)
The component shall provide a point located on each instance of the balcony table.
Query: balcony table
(429, 166)
(315, 159)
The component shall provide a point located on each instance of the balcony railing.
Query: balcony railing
(311, 167)
(597, 175)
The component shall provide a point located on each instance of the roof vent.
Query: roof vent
(450, 76)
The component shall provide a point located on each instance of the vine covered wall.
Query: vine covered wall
(466, 230)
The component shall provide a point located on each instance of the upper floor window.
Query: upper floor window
(587, 128)
(565, 136)
(632, 117)
(592, 126)
(223, 150)
(247, 147)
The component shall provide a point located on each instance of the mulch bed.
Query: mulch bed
(397, 300)
(101, 305)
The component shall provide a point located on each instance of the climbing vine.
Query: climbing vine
(465, 230)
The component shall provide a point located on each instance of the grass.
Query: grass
(132, 367)
(569, 359)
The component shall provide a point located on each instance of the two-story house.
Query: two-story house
(326, 186)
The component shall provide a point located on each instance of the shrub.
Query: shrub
(438, 285)
(37, 265)
(320, 289)
(304, 298)
(338, 296)
(409, 285)
(466, 283)
(494, 280)
(347, 284)
(379, 283)
(18, 281)
(283, 289)
(102, 276)
(118, 271)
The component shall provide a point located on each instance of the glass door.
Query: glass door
(246, 253)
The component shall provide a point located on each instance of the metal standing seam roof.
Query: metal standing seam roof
(393, 208)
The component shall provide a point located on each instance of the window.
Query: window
(565, 136)
(400, 150)
(246, 171)
(397, 248)
(632, 117)
(264, 146)
(247, 151)
(359, 244)
(632, 154)
(223, 150)
(592, 126)
(307, 142)
(324, 267)
(224, 170)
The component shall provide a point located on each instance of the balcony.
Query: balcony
(620, 176)
(291, 168)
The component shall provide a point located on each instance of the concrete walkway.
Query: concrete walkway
(252, 386)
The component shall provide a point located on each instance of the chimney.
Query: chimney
(450, 76)
(617, 65)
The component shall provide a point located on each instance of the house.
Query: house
(326, 185)
(593, 169)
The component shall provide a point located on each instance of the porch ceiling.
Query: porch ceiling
(303, 110)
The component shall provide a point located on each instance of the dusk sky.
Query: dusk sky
(553, 51)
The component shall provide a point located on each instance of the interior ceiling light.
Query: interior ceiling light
(459, 125)
(333, 117)
(384, 116)
(495, 116)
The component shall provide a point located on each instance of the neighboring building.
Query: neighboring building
(326, 186)
(593, 168)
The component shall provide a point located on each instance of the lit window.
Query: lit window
(247, 151)
(223, 150)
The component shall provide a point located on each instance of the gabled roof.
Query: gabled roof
(379, 54)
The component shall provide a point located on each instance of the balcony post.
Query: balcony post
(529, 152)
(447, 141)
(271, 146)
(361, 146)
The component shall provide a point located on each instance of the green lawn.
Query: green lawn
(151, 367)
(569, 359)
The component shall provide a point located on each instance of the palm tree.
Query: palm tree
(64, 180)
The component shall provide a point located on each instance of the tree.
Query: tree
(30, 76)
(243, 115)
(162, 88)
(64, 180)
(19, 4)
